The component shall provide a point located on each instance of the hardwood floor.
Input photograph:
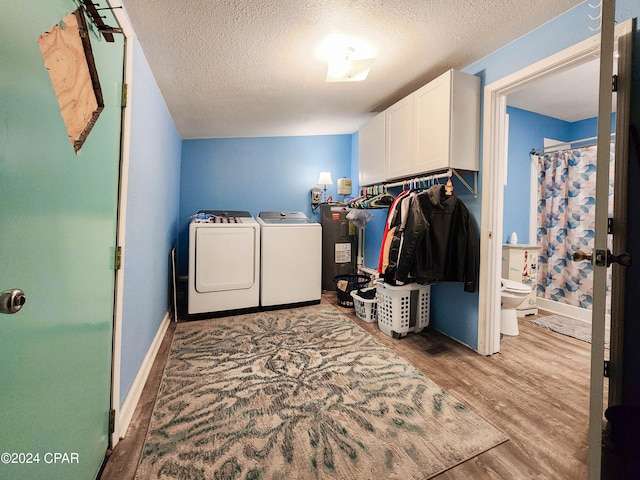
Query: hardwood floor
(536, 391)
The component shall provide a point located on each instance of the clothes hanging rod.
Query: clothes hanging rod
(427, 178)
(424, 178)
(534, 151)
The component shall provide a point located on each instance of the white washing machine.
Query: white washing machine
(224, 262)
(291, 259)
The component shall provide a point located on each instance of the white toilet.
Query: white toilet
(512, 294)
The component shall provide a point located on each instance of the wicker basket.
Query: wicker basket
(354, 281)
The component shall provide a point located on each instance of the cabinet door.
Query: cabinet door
(432, 121)
(399, 128)
(371, 156)
(464, 121)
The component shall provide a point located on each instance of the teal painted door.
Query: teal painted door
(57, 235)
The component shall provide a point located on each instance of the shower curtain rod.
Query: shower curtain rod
(538, 151)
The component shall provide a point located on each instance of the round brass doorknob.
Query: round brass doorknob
(579, 255)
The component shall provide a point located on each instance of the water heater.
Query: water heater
(339, 244)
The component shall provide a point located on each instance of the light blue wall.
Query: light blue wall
(562, 32)
(526, 131)
(373, 237)
(152, 213)
(588, 128)
(256, 174)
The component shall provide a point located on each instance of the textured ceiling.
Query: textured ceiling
(240, 68)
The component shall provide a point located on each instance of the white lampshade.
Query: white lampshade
(325, 178)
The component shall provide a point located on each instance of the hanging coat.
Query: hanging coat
(447, 251)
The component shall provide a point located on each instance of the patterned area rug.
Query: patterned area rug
(301, 393)
(569, 326)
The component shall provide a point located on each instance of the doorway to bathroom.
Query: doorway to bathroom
(558, 212)
(535, 163)
(499, 170)
(494, 174)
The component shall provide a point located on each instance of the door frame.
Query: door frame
(494, 159)
(119, 423)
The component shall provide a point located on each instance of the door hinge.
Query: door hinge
(610, 226)
(606, 369)
(117, 258)
(123, 99)
(614, 83)
(112, 421)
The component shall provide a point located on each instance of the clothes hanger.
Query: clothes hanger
(448, 188)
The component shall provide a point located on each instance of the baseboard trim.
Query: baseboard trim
(571, 311)
(125, 414)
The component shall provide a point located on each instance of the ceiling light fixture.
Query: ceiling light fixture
(348, 67)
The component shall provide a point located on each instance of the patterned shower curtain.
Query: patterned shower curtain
(566, 222)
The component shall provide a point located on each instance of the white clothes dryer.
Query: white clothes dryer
(224, 262)
(291, 259)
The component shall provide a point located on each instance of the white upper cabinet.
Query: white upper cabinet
(435, 128)
(371, 151)
(399, 138)
(446, 123)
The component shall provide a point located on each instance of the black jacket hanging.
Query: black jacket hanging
(440, 242)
